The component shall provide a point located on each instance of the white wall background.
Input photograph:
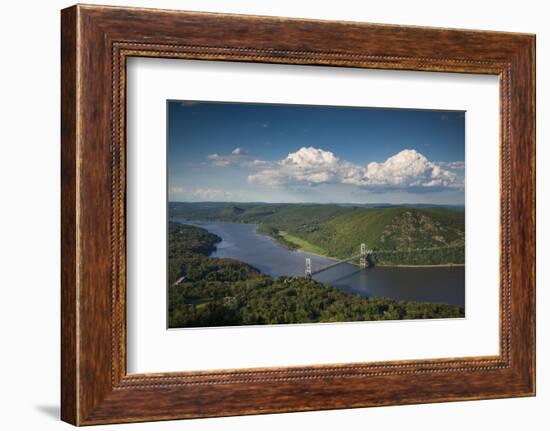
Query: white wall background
(29, 224)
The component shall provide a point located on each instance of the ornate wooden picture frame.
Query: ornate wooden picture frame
(96, 41)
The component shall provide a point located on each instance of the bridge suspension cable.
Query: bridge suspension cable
(363, 257)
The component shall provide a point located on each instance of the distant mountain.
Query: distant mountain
(414, 235)
(385, 205)
(211, 205)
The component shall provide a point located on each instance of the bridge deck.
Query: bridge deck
(374, 252)
(332, 265)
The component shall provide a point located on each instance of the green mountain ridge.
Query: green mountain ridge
(398, 235)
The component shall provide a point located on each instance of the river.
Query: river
(241, 242)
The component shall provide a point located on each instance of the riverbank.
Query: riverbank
(297, 244)
(442, 265)
(306, 247)
(227, 291)
(241, 242)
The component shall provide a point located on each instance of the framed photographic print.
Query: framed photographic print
(268, 215)
(258, 190)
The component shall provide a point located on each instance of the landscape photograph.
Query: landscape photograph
(304, 214)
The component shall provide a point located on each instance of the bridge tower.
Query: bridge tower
(363, 258)
(308, 267)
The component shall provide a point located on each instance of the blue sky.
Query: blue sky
(297, 153)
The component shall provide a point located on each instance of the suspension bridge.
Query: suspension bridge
(363, 258)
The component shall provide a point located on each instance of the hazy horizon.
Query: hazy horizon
(317, 203)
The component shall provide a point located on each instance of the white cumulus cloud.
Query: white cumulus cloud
(200, 193)
(238, 151)
(208, 193)
(408, 168)
(452, 165)
(236, 156)
(309, 165)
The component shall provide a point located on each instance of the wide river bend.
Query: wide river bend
(241, 242)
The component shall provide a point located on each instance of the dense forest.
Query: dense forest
(208, 291)
(401, 235)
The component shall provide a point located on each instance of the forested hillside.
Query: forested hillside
(207, 291)
(398, 235)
